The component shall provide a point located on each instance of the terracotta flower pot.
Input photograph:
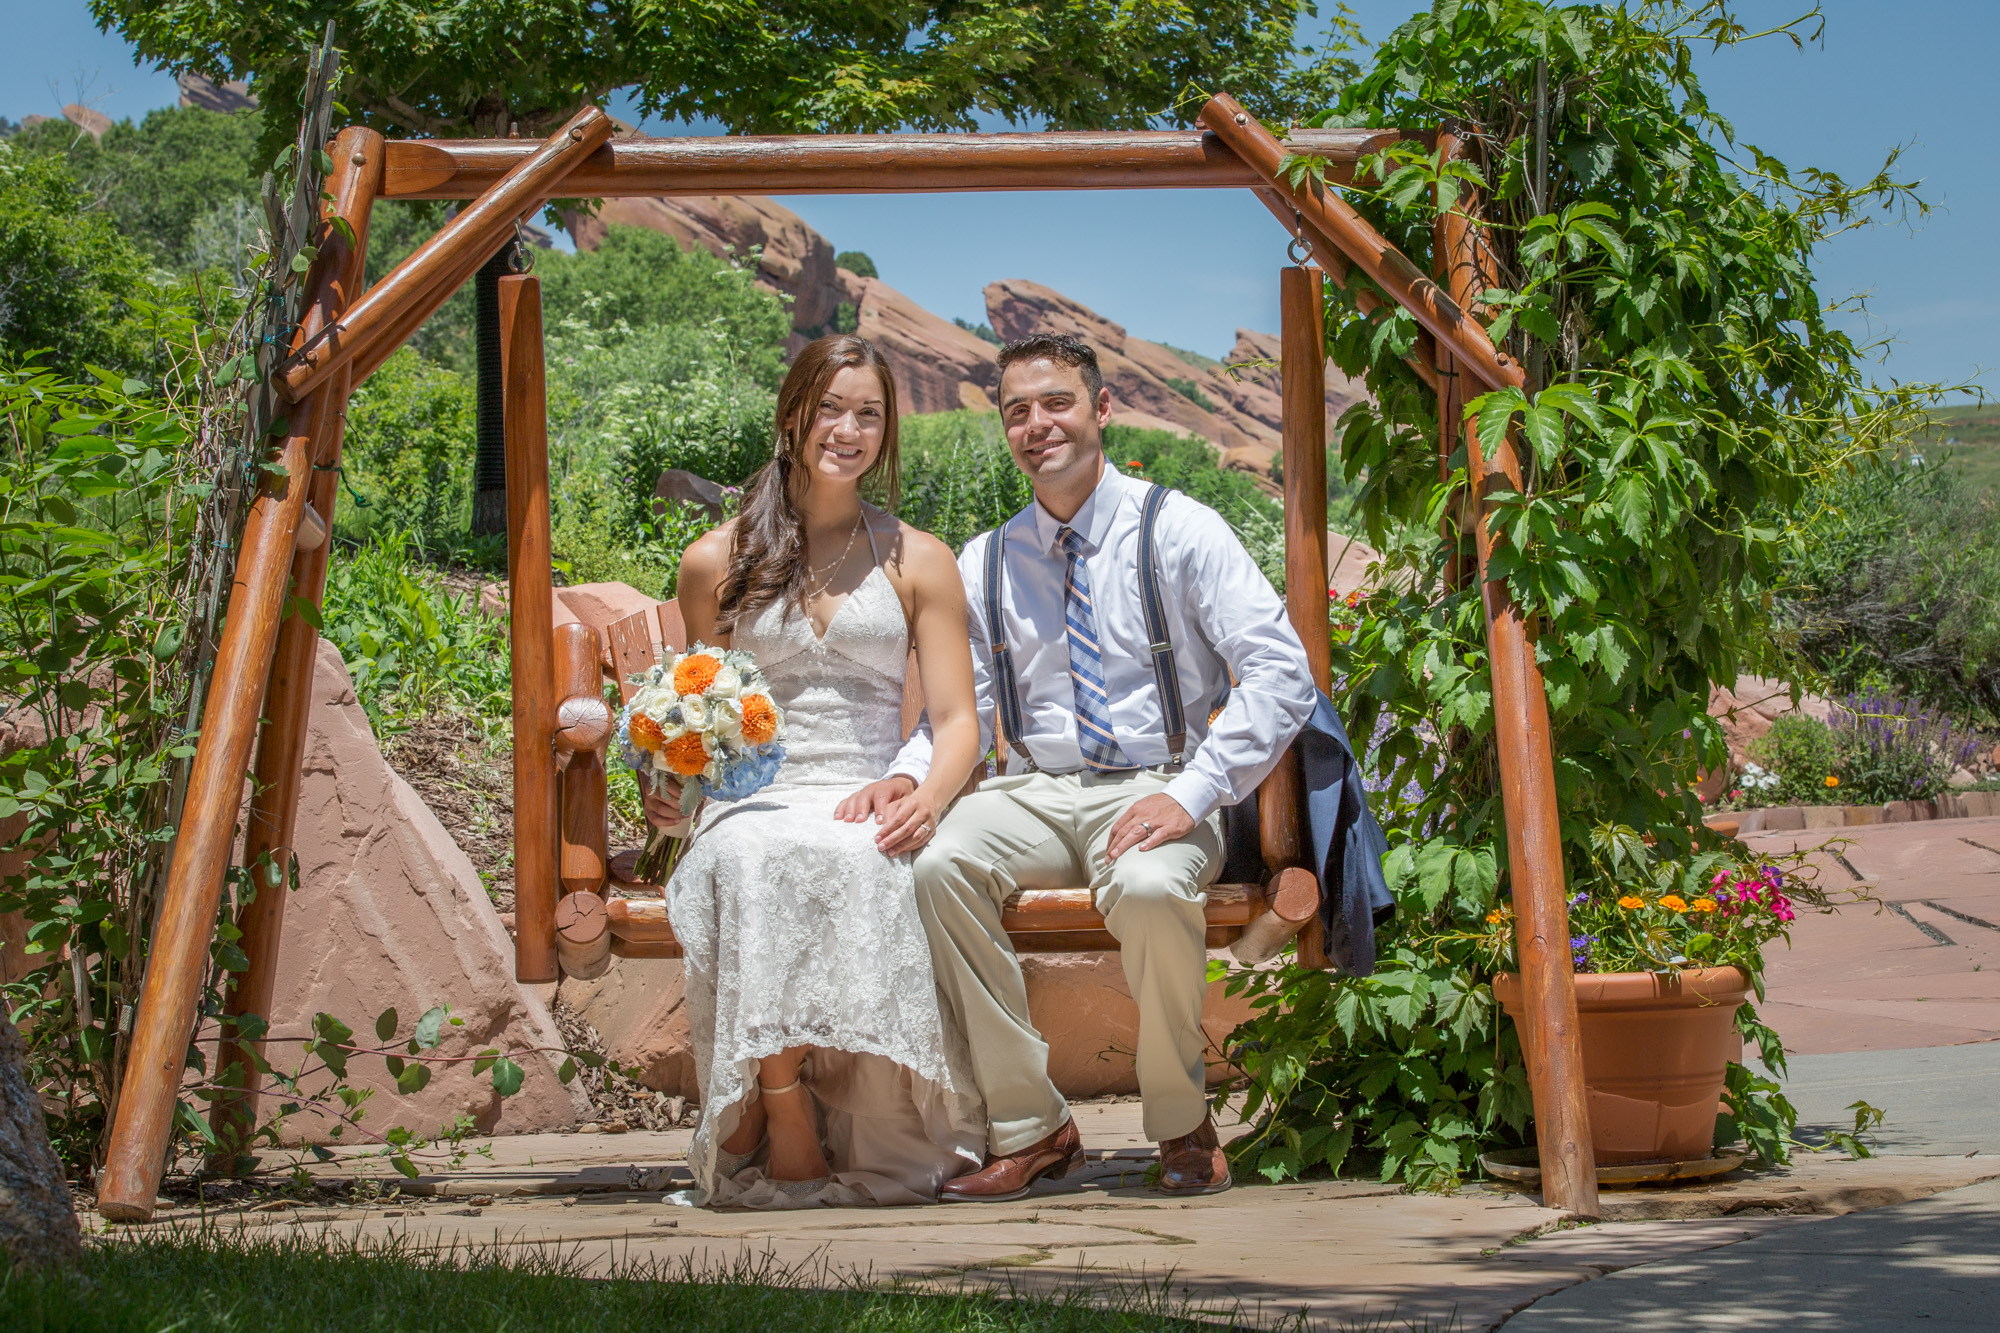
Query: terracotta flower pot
(1654, 1053)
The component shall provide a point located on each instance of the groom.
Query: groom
(1089, 793)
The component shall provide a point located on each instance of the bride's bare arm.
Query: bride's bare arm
(944, 659)
(703, 565)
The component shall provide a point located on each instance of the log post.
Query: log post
(1302, 374)
(420, 281)
(583, 716)
(531, 628)
(355, 182)
(1527, 775)
(178, 961)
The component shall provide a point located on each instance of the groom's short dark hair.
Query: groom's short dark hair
(1061, 348)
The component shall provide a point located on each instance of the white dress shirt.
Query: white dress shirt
(1222, 613)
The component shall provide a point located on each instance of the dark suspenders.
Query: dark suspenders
(1007, 726)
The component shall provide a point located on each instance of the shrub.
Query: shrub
(68, 280)
(1894, 749)
(1799, 751)
(959, 480)
(410, 644)
(1896, 582)
(640, 278)
(983, 332)
(408, 455)
(857, 263)
(1191, 391)
(161, 178)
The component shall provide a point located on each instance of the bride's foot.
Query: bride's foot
(795, 1153)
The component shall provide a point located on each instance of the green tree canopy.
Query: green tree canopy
(479, 67)
(180, 183)
(67, 278)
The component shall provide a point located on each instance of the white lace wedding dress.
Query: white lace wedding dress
(798, 932)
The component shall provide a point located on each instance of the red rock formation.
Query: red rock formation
(941, 367)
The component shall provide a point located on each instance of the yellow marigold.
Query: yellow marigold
(1631, 902)
(695, 673)
(1673, 902)
(1702, 905)
(760, 719)
(1832, 781)
(646, 734)
(686, 755)
(1492, 918)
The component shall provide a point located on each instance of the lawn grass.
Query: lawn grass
(191, 1283)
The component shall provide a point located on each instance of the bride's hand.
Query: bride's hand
(873, 801)
(908, 824)
(663, 811)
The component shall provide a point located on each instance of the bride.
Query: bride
(828, 1072)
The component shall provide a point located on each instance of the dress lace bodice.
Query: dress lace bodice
(842, 692)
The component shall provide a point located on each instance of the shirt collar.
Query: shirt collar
(1093, 520)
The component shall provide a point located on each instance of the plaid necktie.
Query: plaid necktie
(1086, 665)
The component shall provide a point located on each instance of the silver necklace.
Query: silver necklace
(834, 568)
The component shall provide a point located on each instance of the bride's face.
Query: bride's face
(845, 435)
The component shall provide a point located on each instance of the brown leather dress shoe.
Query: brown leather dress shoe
(1193, 1163)
(1004, 1178)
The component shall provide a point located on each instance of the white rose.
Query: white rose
(728, 683)
(694, 713)
(725, 718)
(654, 700)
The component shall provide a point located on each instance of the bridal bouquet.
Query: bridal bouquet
(704, 716)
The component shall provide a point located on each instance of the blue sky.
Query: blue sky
(1189, 267)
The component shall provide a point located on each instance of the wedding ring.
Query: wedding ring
(1144, 825)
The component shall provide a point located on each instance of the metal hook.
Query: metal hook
(1300, 250)
(522, 258)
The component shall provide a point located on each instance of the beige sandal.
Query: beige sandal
(797, 1189)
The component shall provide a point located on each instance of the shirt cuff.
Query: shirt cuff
(1194, 794)
(911, 769)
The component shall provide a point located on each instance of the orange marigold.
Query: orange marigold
(1673, 902)
(646, 734)
(1631, 902)
(686, 755)
(1493, 918)
(695, 673)
(760, 719)
(1702, 905)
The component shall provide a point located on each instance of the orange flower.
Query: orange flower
(1673, 902)
(1702, 905)
(686, 755)
(760, 719)
(695, 673)
(646, 734)
(1832, 781)
(1631, 902)
(1354, 598)
(1493, 918)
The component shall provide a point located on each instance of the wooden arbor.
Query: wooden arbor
(561, 724)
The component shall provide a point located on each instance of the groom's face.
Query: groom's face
(1054, 427)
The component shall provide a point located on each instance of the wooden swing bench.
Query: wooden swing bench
(606, 913)
(263, 665)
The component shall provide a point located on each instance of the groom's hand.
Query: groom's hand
(1147, 823)
(873, 801)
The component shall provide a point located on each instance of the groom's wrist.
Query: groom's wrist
(1194, 794)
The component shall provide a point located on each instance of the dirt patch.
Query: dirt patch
(467, 779)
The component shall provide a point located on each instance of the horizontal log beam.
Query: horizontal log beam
(419, 282)
(870, 163)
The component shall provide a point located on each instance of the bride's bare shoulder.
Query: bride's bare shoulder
(707, 556)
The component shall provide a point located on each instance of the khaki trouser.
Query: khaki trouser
(1043, 831)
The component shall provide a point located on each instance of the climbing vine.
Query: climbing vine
(1655, 276)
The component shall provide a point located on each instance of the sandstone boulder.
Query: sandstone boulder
(1085, 1012)
(637, 1009)
(390, 912)
(602, 605)
(681, 486)
(939, 367)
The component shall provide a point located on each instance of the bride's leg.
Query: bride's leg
(749, 1129)
(795, 1151)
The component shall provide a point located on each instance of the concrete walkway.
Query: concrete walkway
(1870, 997)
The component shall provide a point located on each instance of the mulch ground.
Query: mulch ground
(467, 779)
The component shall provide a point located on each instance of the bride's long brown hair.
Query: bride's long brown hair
(767, 563)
